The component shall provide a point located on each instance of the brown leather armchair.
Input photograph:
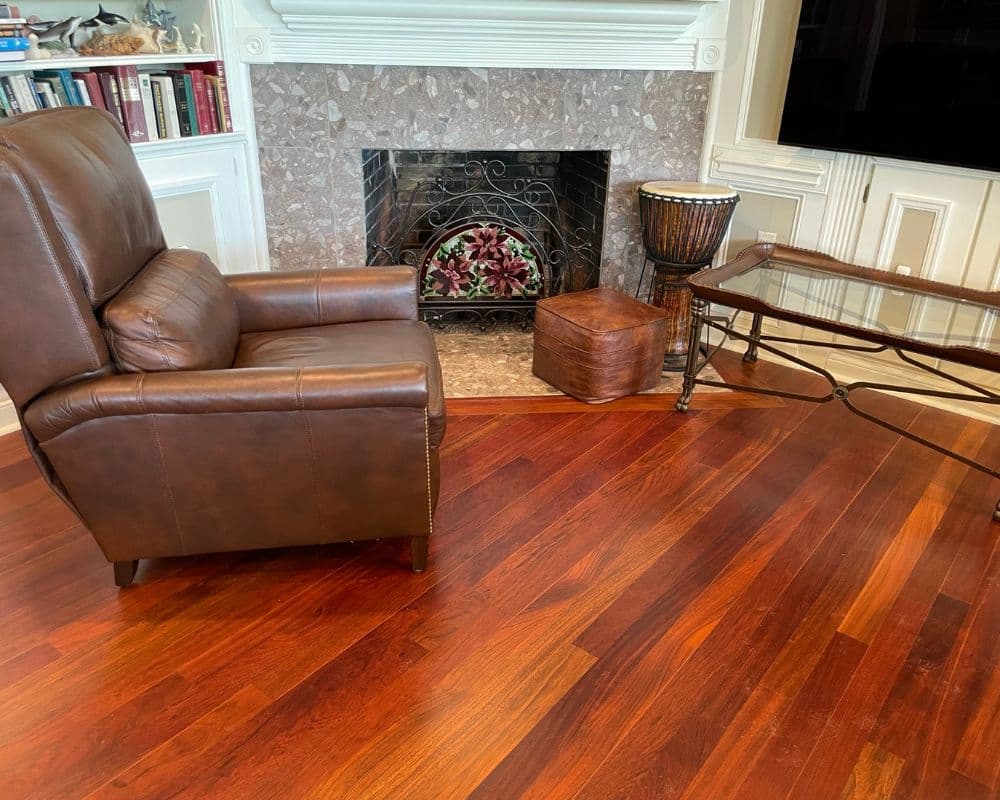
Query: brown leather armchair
(178, 411)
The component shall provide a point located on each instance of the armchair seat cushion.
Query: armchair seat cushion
(352, 344)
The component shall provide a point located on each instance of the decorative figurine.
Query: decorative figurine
(149, 36)
(111, 44)
(99, 24)
(107, 19)
(55, 34)
(34, 52)
(161, 19)
(196, 39)
(178, 45)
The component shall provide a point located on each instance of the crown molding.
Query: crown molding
(582, 34)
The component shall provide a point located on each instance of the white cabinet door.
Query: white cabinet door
(928, 216)
(204, 199)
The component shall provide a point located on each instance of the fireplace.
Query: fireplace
(320, 157)
(490, 233)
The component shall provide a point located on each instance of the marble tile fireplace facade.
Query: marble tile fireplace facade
(314, 121)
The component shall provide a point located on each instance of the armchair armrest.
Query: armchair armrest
(273, 301)
(401, 385)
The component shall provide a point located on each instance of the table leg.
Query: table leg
(698, 308)
(750, 356)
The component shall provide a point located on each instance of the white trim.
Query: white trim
(79, 63)
(777, 168)
(898, 204)
(202, 144)
(582, 34)
(845, 205)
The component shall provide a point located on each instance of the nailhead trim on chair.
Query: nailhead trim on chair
(427, 447)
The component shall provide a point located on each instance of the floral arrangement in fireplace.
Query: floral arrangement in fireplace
(482, 260)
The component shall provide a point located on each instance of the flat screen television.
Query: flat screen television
(911, 79)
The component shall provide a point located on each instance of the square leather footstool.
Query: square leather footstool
(598, 345)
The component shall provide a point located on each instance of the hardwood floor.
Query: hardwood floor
(758, 599)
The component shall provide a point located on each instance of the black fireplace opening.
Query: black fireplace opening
(489, 232)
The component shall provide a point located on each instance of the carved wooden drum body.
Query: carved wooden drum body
(683, 225)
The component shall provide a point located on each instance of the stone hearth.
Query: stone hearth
(313, 121)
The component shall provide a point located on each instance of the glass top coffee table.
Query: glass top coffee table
(878, 311)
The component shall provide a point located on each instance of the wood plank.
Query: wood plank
(888, 577)
(720, 401)
(623, 601)
(875, 775)
(668, 743)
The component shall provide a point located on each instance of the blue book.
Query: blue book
(14, 44)
(69, 87)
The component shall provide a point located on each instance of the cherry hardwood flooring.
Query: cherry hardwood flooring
(758, 599)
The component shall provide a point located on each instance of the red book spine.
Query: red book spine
(93, 87)
(109, 91)
(131, 100)
(200, 99)
(218, 69)
(213, 107)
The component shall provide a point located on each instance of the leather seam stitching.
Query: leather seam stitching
(188, 279)
(166, 481)
(60, 277)
(159, 343)
(163, 461)
(312, 444)
(319, 299)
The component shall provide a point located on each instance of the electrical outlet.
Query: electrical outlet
(767, 236)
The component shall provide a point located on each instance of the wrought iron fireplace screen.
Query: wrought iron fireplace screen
(492, 248)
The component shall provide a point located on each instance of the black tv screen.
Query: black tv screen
(911, 79)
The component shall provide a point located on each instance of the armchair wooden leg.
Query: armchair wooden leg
(125, 572)
(418, 553)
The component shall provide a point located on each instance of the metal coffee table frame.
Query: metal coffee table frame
(702, 319)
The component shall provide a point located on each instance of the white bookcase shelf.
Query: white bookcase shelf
(207, 187)
(81, 63)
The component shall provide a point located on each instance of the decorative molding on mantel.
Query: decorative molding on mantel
(582, 34)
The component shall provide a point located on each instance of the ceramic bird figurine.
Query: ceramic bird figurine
(34, 52)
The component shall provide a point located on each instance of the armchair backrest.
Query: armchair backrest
(78, 222)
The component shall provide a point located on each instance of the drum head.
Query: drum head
(685, 190)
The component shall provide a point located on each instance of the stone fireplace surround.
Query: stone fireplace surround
(313, 120)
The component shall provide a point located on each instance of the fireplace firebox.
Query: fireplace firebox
(489, 232)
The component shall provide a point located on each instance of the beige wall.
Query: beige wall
(187, 221)
(774, 59)
(760, 212)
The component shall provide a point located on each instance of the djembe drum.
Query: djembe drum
(683, 225)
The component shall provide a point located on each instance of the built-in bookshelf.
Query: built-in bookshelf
(160, 97)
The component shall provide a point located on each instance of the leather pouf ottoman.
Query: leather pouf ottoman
(598, 345)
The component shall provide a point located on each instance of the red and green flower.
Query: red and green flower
(482, 261)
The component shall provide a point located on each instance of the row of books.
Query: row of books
(150, 105)
(13, 37)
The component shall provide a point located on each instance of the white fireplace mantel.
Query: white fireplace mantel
(583, 34)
